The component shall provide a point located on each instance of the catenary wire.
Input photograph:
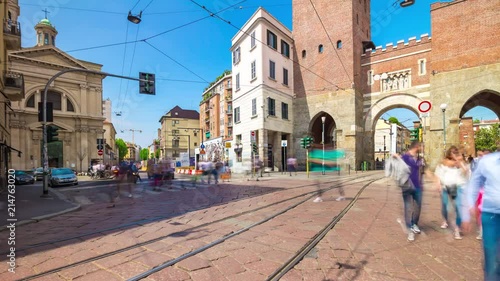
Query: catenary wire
(130, 69)
(172, 59)
(153, 36)
(136, 3)
(123, 66)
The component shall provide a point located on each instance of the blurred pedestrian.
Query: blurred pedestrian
(487, 175)
(292, 165)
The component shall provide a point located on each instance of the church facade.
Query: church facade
(76, 100)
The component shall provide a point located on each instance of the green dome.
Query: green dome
(45, 21)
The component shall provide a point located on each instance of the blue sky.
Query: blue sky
(200, 51)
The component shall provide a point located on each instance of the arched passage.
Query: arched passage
(407, 101)
(316, 129)
(486, 98)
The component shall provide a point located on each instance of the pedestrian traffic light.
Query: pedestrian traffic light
(254, 147)
(52, 133)
(414, 134)
(147, 83)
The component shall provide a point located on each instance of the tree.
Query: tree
(487, 138)
(394, 120)
(476, 121)
(157, 154)
(122, 148)
(144, 154)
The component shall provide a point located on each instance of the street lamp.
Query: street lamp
(323, 118)
(134, 18)
(406, 3)
(443, 107)
(384, 147)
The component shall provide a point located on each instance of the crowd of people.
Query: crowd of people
(469, 189)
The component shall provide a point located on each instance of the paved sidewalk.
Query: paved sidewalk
(30, 207)
(369, 244)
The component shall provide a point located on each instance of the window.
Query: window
(195, 144)
(40, 38)
(421, 67)
(55, 99)
(339, 44)
(252, 40)
(237, 81)
(237, 115)
(254, 106)
(320, 49)
(284, 111)
(253, 70)
(175, 122)
(175, 153)
(272, 69)
(285, 76)
(46, 39)
(175, 132)
(236, 55)
(285, 49)
(272, 40)
(31, 101)
(175, 143)
(53, 40)
(195, 134)
(370, 77)
(69, 106)
(304, 54)
(271, 107)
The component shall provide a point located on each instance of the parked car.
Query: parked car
(38, 174)
(22, 177)
(62, 176)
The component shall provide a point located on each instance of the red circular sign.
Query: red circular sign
(424, 106)
(99, 152)
(253, 133)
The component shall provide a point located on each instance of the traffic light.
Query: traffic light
(254, 147)
(303, 143)
(52, 133)
(309, 141)
(147, 83)
(420, 138)
(414, 134)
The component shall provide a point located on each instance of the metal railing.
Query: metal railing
(11, 27)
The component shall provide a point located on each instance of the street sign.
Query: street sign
(100, 147)
(252, 136)
(424, 106)
(202, 151)
(424, 115)
(99, 152)
(228, 145)
(202, 146)
(283, 143)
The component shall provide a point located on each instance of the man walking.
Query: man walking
(412, 197)
(487, 175)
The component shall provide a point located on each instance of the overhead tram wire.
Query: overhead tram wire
(131, 64)
(153, 36)
(178, 63)
(123, 66)
(73, 8)
(136, 3)
(258, 40)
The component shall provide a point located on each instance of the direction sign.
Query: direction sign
(99, 152)
(424, 106)
(284, 143)
(202, 146)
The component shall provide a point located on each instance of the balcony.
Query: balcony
(12, 32)
(228, 98)
(14, 85)
(229, 124)
(207, 119)
(229, 112)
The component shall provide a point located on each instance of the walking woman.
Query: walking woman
(452, 176)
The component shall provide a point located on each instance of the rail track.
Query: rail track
(293, 202)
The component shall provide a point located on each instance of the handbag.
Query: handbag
(407, 186)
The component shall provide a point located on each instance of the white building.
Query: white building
(106, 109)
(389, 139)
(262, 90)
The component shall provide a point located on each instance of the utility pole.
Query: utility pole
(45, 155)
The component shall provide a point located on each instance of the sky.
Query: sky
(185, 48)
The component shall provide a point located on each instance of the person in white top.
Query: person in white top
(452, 176)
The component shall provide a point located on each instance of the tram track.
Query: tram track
(307, 195)
(159, 218)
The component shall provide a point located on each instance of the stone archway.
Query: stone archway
(330, 128)
(373, 114)
(486, 98)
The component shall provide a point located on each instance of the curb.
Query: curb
(47, 216)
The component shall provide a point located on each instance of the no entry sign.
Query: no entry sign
(424, 106)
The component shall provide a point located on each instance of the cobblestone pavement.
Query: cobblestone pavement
(367, 244)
